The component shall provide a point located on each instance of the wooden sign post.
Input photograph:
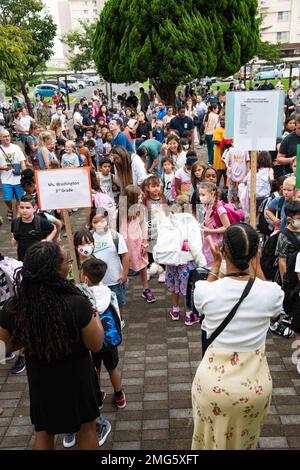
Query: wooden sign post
(67, 222)
(253, 189)
(64, 189)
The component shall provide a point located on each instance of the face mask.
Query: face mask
(101, 226)
(85, 250)
(186, 147)
(204, 199)
(296, 223)
(59, 113)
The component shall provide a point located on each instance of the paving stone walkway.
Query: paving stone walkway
(158, 360)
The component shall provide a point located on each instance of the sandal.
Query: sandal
(10, 215)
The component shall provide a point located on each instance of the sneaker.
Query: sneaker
(148, 295)
(162, 277)
(122, 324)
(298, 367)
(102, 398)
(120, 402)
(19, 366)
(69, 440)
(286, 320)
(174, 315)
(191, 319)
(281, 329)
(103, 428)
(8, 357)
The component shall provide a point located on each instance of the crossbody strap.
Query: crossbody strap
(231, 314)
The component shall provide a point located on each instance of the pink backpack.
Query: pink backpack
(234, 215)
(106, 202)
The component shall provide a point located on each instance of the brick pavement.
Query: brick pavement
(158, 360)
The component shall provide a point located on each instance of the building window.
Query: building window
(283, 16)
(282, 36)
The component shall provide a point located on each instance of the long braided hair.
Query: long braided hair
(241, 243)
(39, 304)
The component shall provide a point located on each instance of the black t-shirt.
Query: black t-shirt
(27, 235)
(288, 147)
(182, 124)
(81, 310)
(143, 131)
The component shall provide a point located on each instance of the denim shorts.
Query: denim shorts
(10, 191)
(120, 291)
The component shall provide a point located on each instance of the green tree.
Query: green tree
(174, 42)
(80, 42)
(35, 28)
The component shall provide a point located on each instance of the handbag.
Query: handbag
(16, 167)
(229, 317)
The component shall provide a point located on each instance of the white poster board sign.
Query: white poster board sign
(253, 119)
(65, 188)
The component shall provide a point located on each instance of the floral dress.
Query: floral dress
(231, 395)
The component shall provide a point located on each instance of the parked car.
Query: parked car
(72, 82)
(92, 80)
(285, 72)
(81, 83)
(267, 73)
(62, 85)
(47, 90)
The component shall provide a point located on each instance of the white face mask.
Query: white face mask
(204, 199)
(296, 224)
(186, 147)
(101, 226)
(85, 250)
(59, 112)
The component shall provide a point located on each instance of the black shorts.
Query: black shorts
(109, 357)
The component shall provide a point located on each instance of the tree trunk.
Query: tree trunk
(27, 99)
(166, 91)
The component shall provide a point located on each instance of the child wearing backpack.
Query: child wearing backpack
(287, 249)
(136, 237)
(109, 247)
(167, 178)
(276, 209)
(106, 178)
(101, 200)
(182, 184)
(30, 227)
(94, 270)
(188, 256)
(218, 216)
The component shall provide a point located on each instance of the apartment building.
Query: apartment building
(281, 20)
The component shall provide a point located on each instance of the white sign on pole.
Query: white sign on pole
(255, 117)
(64, 188)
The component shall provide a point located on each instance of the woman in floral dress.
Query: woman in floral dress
(232, 388)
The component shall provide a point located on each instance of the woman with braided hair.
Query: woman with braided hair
(56, 326)
(232, 388)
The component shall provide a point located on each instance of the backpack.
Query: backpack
(37, 226)
(268, 257)
(110, 319)
(263, 223)
(103, 200)
(234, 215)
(291, 284)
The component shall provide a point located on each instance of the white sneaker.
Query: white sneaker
(162, 277)
(122, 324)
(298, 367)
(69, 440)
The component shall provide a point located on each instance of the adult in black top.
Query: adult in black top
(288, 149)
(57, 327)
(266, 86)
(144, 130)
(182, 123)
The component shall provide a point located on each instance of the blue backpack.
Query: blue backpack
(112, 328)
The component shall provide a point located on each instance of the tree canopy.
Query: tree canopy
(27, 41)
(175, 41)
(80, 43)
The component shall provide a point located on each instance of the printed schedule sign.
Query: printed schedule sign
(64, 188)
(254, 119)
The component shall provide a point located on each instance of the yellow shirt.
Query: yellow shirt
(218, 135)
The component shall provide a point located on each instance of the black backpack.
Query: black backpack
(37, 226)
(263, 224)
(291, 284)
(268, 257)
